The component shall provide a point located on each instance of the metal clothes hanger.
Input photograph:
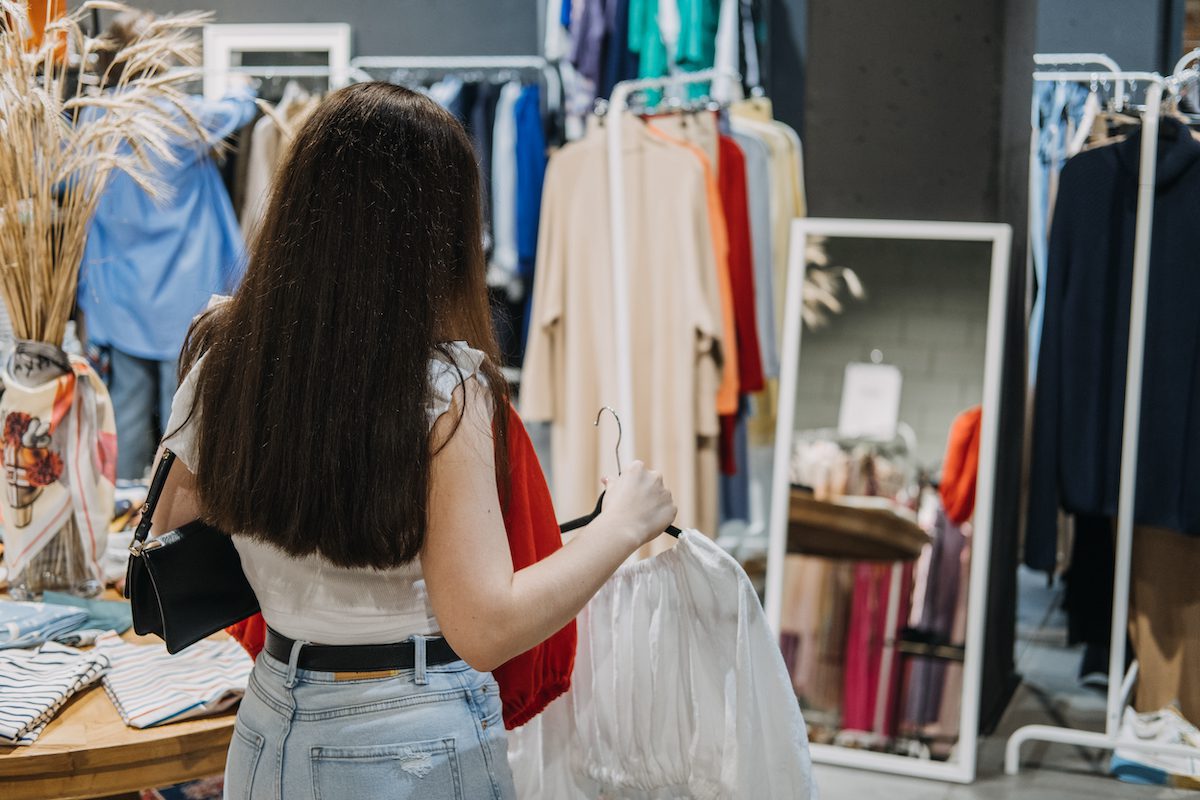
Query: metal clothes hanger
(575, 524)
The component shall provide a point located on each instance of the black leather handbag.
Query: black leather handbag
(188, 583)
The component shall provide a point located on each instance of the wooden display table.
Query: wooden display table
(87, 751)
(832, 530)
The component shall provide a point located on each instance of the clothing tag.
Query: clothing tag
(365, 676)
(870, 402)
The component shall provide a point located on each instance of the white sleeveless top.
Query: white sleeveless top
(310, 598)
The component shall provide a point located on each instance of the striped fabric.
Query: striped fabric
(150, 687)
(35, 683)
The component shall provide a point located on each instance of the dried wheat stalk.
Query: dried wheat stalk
(823, 285)
(60, 140)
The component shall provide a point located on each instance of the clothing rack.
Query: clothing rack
(1120, 681)
(357, 69)
(272, 71)
(1111, 68)
(1054, 59)
(554, 89)
(618, 102)
(1182, 64)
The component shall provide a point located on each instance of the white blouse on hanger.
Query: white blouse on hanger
(679, 691)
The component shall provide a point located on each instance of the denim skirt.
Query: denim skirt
(432, 732)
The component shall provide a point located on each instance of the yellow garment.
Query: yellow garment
(570, 363)
(795, 168)
(698, 135)
(758, 108)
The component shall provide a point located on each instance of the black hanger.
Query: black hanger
(579, 522)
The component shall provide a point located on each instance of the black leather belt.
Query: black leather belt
(359, 657)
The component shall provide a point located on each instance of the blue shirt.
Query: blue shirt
(149, 266)
(531, 173)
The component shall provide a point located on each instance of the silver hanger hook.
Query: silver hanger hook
(617, 419)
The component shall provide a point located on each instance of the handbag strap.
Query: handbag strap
(156, 488)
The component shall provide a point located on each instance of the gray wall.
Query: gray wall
(1131, 31)
(901, 116)
(395, 27)
(926, 311)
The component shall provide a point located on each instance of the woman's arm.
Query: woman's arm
(179, 502)
(487, 612)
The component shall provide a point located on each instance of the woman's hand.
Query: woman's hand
(637, 501)
(487, 612)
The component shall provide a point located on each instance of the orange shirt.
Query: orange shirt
(727, 393)
(42, 13)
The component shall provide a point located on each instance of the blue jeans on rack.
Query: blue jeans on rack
(432, 732)
(141, 391)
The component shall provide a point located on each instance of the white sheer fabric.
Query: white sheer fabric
(679, 691)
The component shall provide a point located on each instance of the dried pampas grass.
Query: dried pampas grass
(60, 139)
(823, 285)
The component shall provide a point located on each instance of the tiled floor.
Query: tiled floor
(1049, 772)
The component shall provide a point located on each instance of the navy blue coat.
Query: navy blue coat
(1079, 401)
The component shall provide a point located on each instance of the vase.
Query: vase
(57, 468)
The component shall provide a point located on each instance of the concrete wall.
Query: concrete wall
(926, 311)
(395, 27)
(901, 109)
(1131, 31)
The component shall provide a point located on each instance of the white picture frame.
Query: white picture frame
(963, 768)
(222, 41)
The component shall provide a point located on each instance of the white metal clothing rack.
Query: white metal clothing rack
(618, 102)
(1111, 69)
(554, 90)
(1056, 59)
(1120, 681)
(268, 71)
(1185, 62)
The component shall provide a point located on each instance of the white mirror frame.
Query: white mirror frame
(962, 768)
(222, 41)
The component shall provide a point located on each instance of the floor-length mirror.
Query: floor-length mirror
(882, 491)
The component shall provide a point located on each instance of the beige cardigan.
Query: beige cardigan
(674, 313)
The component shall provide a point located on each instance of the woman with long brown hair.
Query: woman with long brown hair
(343, 416)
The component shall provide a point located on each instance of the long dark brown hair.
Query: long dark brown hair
(312, 400)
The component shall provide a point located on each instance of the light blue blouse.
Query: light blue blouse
(150, 266)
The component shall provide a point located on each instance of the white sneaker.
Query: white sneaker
(1167, 727)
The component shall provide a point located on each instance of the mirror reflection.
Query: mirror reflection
(882, 474)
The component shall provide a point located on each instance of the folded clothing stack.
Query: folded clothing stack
(36, 682)
(102, 616)
(62, 618)
(30, 624)
(150, 687)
